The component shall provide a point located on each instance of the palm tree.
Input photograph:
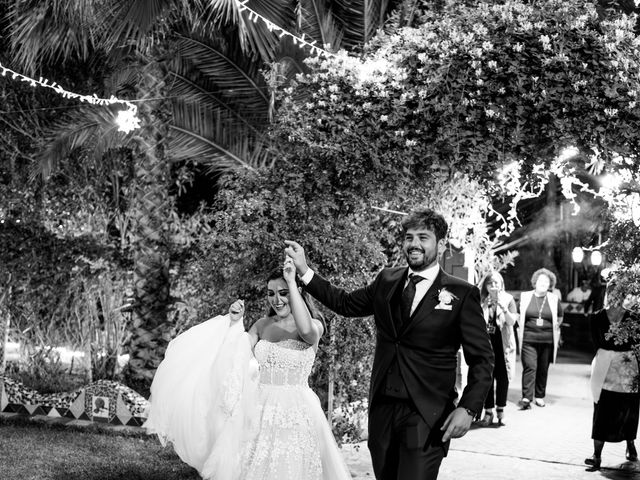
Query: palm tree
(194, 69)
(5, 293)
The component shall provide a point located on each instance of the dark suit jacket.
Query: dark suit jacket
(426, 348)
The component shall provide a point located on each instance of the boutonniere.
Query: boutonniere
(445, 299)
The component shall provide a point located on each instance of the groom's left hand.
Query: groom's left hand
(456, 425)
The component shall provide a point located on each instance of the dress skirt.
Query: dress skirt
(615, 416)
(292, 439)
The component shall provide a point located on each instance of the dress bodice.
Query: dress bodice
(287, 362)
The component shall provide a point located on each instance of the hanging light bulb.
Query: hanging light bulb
(127, 120)
(596, 258)
(577, 254)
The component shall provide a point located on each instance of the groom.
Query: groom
(422, 316)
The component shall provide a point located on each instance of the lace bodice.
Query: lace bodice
(287, 362)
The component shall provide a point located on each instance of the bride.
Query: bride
(237, 405)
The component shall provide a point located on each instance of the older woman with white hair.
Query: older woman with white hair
(539, 335)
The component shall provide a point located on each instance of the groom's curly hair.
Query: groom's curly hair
(427, 218)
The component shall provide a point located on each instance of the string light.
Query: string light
(382, 209)
(127, 119)
(299, 41)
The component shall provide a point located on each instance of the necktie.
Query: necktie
(408, 294)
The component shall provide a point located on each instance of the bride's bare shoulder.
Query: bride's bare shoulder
(262, 323)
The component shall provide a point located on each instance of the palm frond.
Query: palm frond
(262, 41)
(124, 78)
(186, 89)
(198, 135)
(50, 32)
(187, 145)
(224, 65)
(88, 127)
(217, 13)
(132, 20)
(316, 20)
(361, 19)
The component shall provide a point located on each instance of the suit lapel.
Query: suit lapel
(396, 282)
(428, 302)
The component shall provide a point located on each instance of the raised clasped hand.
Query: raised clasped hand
(289, 270)
(236, 310)
(295, 251)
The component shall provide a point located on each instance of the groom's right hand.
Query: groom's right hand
(296, 252)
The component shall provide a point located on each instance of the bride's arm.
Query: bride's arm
(309, 329)
(254, 334)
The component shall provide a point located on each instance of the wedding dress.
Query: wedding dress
(233, 416)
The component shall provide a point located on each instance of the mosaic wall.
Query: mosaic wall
(103, 401)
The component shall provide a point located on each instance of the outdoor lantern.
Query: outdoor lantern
(577, 254)
(596, 258)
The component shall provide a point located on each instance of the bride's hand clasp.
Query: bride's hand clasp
(289, 270)
(236, 310)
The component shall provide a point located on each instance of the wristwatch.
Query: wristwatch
(471, 413)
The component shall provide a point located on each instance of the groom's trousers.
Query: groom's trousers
(402, 445)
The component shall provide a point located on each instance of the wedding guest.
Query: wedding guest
(501, 314)
(233, 423)
(595, 301)
(539, 336)
(581, 293)
(614, 385)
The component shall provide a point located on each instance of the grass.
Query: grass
(31, 450)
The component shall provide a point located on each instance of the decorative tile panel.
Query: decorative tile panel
(102, 401)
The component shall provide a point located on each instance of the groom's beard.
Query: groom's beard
(427, 261)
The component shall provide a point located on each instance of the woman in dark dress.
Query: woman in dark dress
(614, 386)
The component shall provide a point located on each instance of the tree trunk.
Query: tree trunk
(150, 211)
(5, 294)
(87, 362)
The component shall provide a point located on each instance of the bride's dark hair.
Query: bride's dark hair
(275, 274)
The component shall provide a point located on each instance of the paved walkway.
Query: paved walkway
(547, 443)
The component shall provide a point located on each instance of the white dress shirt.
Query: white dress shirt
(422, 287)
(578, 295)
